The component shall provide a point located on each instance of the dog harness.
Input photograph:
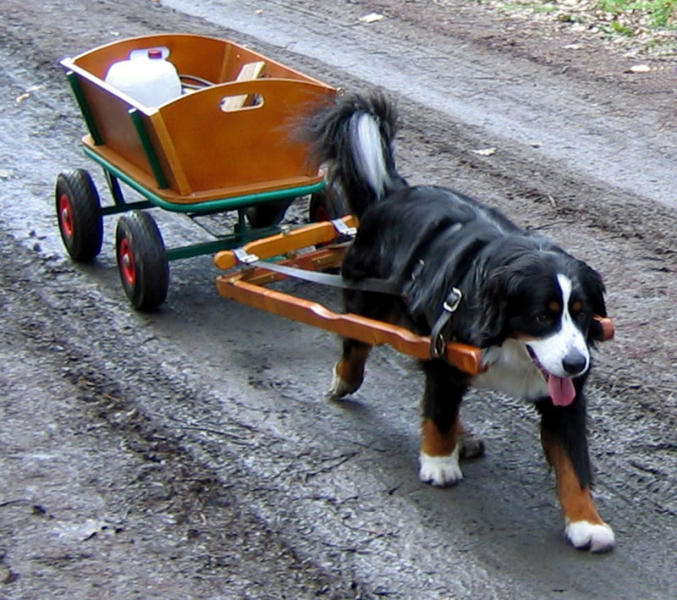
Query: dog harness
(438, 334)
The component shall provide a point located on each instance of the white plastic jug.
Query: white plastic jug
(146, 76)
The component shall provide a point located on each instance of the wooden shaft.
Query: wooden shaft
(283, 243)
(370, 331)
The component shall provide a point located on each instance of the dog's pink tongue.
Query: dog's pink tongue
(561, 390)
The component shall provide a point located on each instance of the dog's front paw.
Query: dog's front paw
(595, 537)
(440, 470)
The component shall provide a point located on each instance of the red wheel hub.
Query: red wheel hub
(66, 215)
(126, 262)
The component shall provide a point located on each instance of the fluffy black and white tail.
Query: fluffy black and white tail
(353, 138)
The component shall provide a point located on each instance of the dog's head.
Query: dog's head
(547, 300)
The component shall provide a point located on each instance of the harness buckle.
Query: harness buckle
(244, 257)
(437, 346)
(438, 342)
(453, 300)
(342, 228)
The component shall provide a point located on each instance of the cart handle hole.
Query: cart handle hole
(240, 102)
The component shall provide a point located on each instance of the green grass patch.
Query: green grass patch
(618, 28)
(662, 12)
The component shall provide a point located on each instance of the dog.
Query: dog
(467, 273)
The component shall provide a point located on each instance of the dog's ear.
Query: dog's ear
(492, 309)
(593, 287)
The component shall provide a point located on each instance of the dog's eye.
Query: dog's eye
(576, 308)
(579, 311)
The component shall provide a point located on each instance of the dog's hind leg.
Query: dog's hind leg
(441, 430)
(471, 444)
(349, 371)
(565, 446)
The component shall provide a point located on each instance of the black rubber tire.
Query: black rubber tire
(142, 260)
(78, 211)
(327, 205)
(267, 214)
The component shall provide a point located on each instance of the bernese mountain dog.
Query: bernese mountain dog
(466, 273)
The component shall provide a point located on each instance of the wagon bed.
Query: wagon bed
(201, 150)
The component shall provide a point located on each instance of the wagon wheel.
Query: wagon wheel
(78, 210)
(268, 214)
(327, 204)
(142, 260)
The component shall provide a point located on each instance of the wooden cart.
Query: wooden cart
(226, 144)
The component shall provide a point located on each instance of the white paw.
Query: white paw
(440, 470)
(596, 537)
(340, 388)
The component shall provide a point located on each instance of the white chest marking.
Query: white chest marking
(512, 371)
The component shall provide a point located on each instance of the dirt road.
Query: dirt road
(190, 453)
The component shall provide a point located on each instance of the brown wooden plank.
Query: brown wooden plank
(284, 243)
(247, 287)
(249, 71)
(370, 331)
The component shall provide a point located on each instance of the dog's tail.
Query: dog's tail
(353, 138)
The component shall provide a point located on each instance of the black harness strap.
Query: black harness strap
(438, 339)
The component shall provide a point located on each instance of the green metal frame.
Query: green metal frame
(84, 108)
(210, 206)
(155, 165)
(241, 234)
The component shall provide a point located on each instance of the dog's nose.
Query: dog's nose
(574, 362)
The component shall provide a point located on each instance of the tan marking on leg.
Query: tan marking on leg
(350, 369)
(434, 443)
(576, 501)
